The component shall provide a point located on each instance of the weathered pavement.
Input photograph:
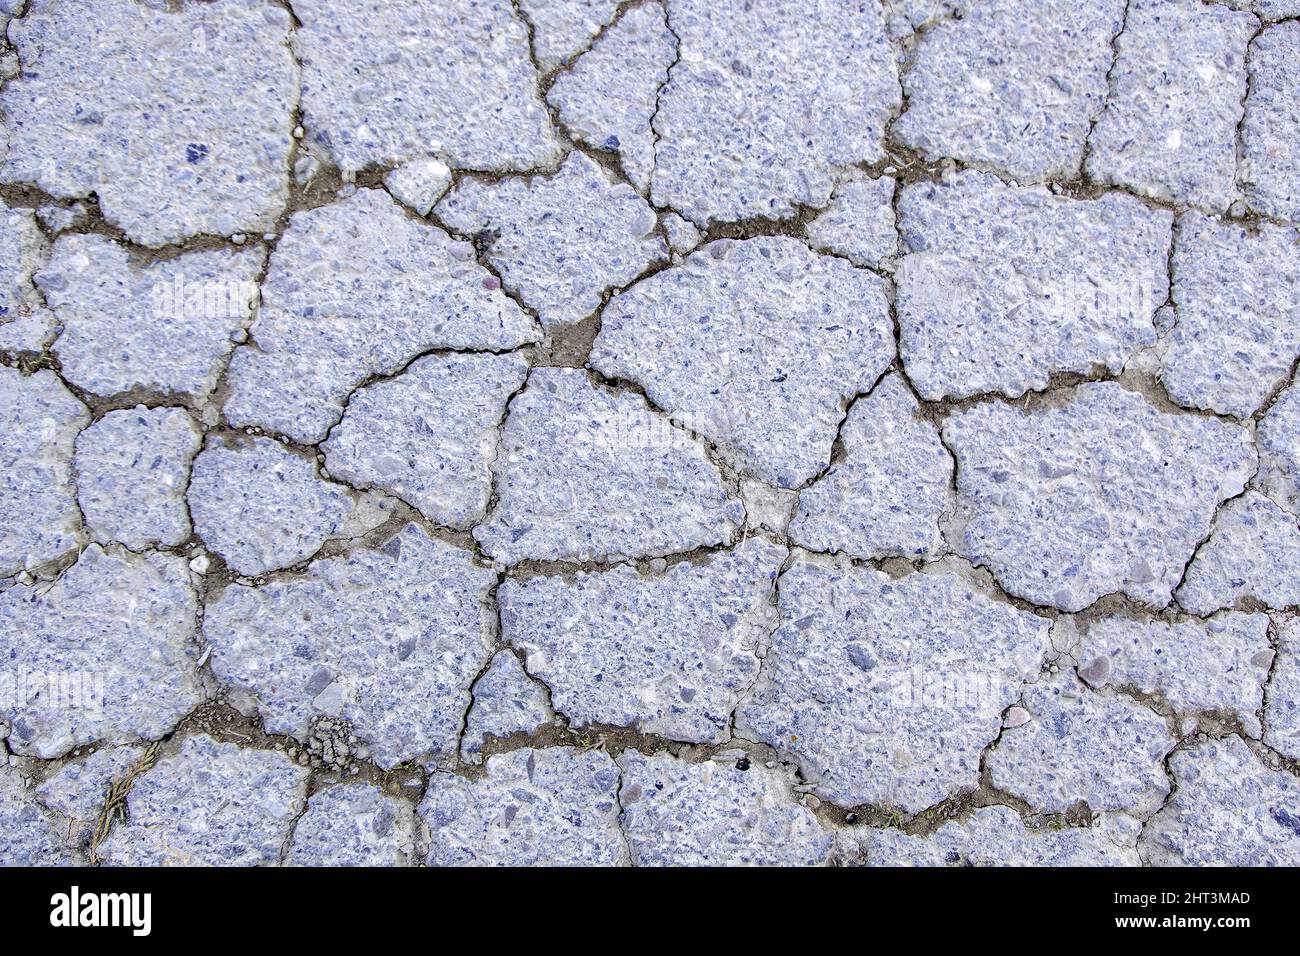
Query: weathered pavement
(650, 433)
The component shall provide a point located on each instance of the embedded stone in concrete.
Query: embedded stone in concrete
(1218, 665)
(1253, 554)
(506, 701)
(1169, 130)
(353, 824)
(164, 326)
(177, 120)
(609, 95)
(886, 690)
(1236, 334)
(887, 496)
(557, 807)
(727, 811)
(1270, 170)
(996, 836)
(1098, 494)
(1083, 745)
(358, 288)
(561, 241)
(1002, 286)
(588, 473)
(1227, 810)
(668, 654)
(262, 506)
(104, 653)
(389, 640)
(429, 435)
(765, 101)
(859, 222)
(133, 466)
(39, 421)
(1011, 85)
(389, 81)
(758, 345)
(211, 804)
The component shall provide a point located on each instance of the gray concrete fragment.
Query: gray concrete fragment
(29, 836)
(211, 804)
(758, 345)
(1237, 329)
(262, 506)
(1080, 744)
(726, 811)
(1278, 439)
(996, 836)
(886, 498)
(1282, 713)
(133, 466)
(668, 654)
(1099, 494)
(1002, 286)
(606, 99)
(1228, 810)
(77, 790)
(859, 222)
(554, 807)
(24, 324)
(562, 241)
(1219, 665)
(1169, 130)
(165, 326)
(765, 101)
(429, 435)
(588, 473)
(358, 288)
(402, 630)
(105, 653)
(887, 690)
(1270, 169)
(418, 184)
(177, 120)
(353, 824)
(1253, 552)
(39, 421)
(561, 28)
(1011, 85)
(389, 81)
(506, 701)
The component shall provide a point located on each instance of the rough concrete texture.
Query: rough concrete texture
(649, 432)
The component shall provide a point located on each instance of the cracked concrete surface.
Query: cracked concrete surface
(649, 432)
